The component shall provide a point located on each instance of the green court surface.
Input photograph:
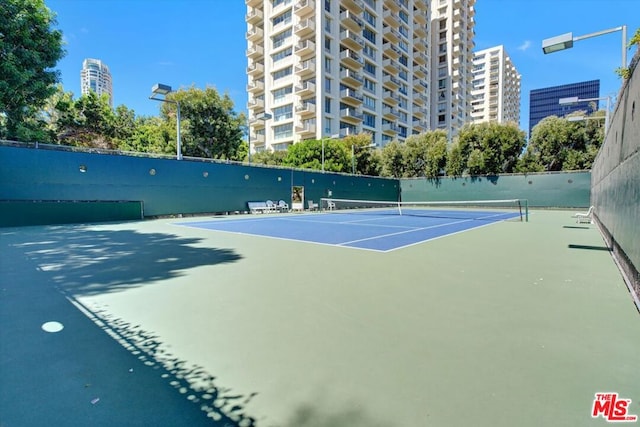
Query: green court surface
(513, 324)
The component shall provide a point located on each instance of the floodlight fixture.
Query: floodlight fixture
(565, 41)
(159, 92)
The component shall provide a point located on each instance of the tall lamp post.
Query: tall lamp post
(262, 117)
(353, 155)
(565, 41)
(159, 92)
(575, 100)
(335, 136)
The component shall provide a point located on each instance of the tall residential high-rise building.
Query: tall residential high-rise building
(495, 87)
(545, 102)
(323, 68)
(96, 77)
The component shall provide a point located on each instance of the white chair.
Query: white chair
(584, 217)
(271, 207)
(312, 206)
(331, 205)
(283, 206)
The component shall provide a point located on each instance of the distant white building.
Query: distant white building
(96, 77)
(495, 87)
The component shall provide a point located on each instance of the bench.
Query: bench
(259, 207)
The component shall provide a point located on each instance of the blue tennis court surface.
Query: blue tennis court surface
(381, 231)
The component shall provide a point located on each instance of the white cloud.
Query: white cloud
(524, 46)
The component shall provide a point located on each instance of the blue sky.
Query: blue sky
(202, 42)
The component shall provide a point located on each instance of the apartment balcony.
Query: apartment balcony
(391, 66)
(253, 3)
(305, 88)
(420, 125)
(351, 77)
(351, 59)
(420, 71)
(257, 139)
(391, 82)
(391, 50)
(351, 96)
(390, 34)
(420, 4)
(255, 51)
(420, 58)
(390, 18)
(304, 27)
(350, 115)
(392, 5)
(305, 47)
(255, 69)
(420, 31)
(305, 109)
(304, 7)
(306, 128)
(419, 19)
(419, 111)
(255, 86)
(254, 16)
(420, 84)
(256, 103)
(306, 68)
(354, 5)
(351, 40)
(390, 98)
(351, 21)
(255, 33)
(390, 113)
(390, 128)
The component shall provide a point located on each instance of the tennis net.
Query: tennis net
(489, 210)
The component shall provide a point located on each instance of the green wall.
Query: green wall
(165, 186)
(561, 189)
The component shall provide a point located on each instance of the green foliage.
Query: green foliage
(559, 144)
(29, 50)
(425, 155)
(308, 155)
(486, 149)
(392, 160)
(88, 121)
(362, 160)
(209, 126)
(272, 158)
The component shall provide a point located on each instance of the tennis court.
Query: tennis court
(372, 228)
(177, 322)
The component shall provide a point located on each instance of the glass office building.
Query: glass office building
(545, 102)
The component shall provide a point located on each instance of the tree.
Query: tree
(392, 160)
(209, 126)
(272, 158)
(308, 155)
(151, 135)
(360, 149)
(559, 144)
(486, 148)
(88, 121)
(425, 154)
(29, 50)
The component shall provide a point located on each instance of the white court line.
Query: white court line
(404, 232)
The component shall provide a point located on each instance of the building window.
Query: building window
(369, 35)
(282, 73)
(327, 64)
(327, 43)
(370, 68)
(369, 17)
(279, 39)
(283, 131)
(327, 84)
(327, 5)
(370, 85)
(280, 95)
(442, 83)
(369, 50)
(281, 55)
(327, 24)
(327, 105)
(283, 113)
(277, 3)
(369, 120)
(283, 18)
(369, 102)
(328, 122)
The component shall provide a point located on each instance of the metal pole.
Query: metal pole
(322, 155)
(353, 159)
(179, 139)
(624, 46)
(606, 116)
(249, 138)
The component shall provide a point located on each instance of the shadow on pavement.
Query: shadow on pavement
(97, 371)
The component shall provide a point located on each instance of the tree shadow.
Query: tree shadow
(590, 247)
(42, 272)
(86, 261)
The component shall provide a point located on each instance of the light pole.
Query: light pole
(262, 117)
(160, 90)
(565, 41)
(335, 136)
(353, 155)
(575, 100)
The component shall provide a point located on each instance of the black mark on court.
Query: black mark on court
(589, 247)
(576, 226)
